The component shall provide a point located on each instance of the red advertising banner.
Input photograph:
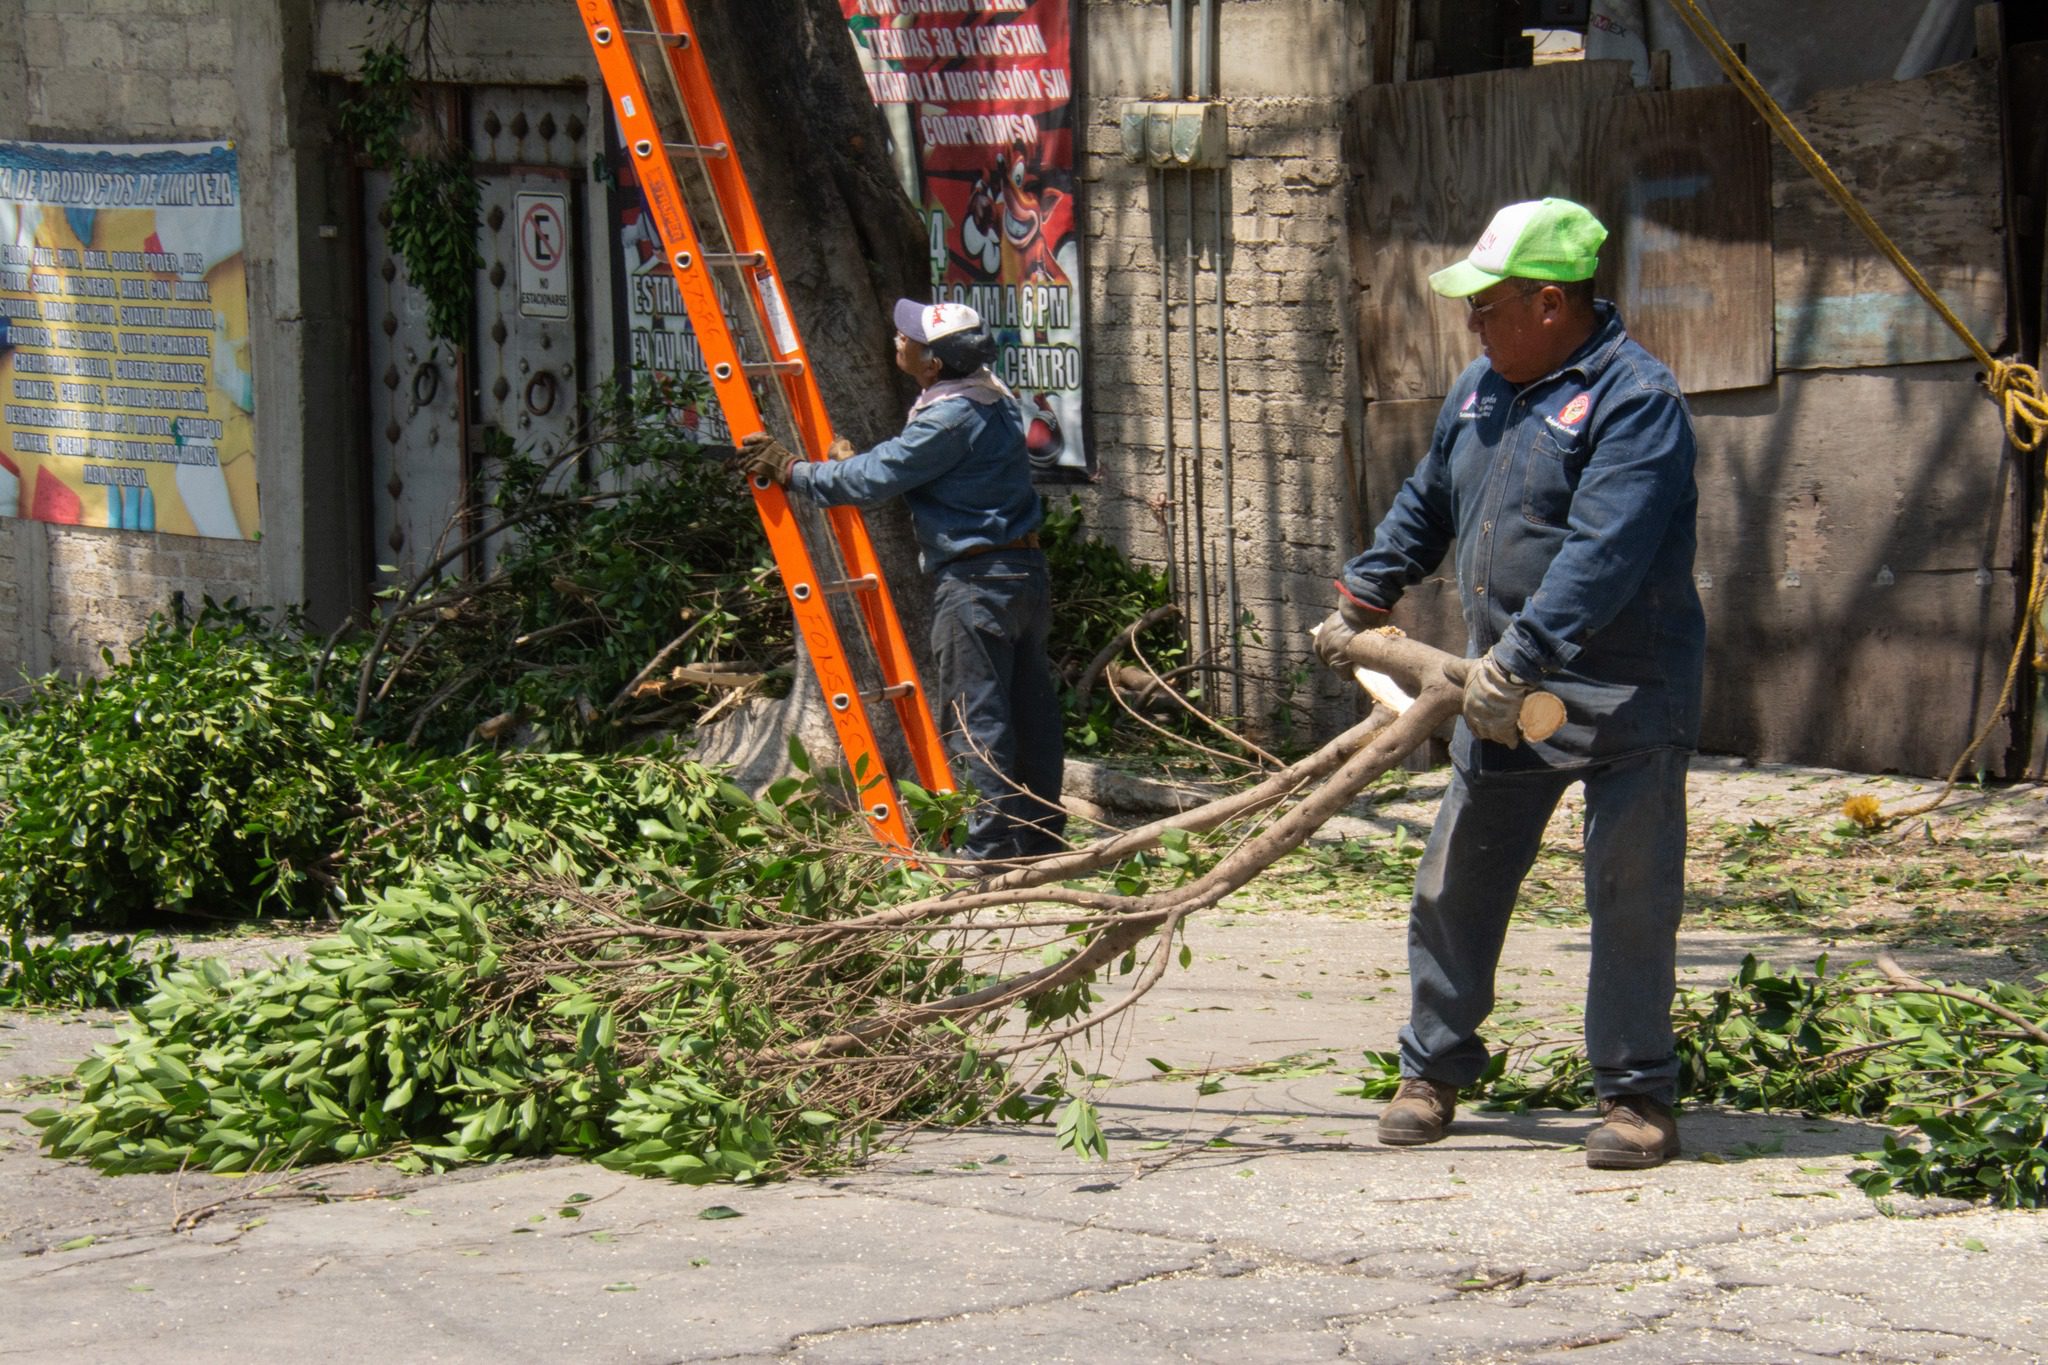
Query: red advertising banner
(979, 99)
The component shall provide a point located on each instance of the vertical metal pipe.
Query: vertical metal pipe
(1177, 22)
(1171, 513)
(1232, 608)
(1204, 638)
(1208, 83)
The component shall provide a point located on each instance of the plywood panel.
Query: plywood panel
(1685, 194)
(1430, 162)
(2037, 764)
(1923, 157)
(1857, 534)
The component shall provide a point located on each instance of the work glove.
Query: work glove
(1333, 637)
(1493, 701)
(840, 449)
(762, 454)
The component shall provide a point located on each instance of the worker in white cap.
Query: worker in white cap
(962, 468)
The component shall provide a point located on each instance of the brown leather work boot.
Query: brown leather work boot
(1635, 1132)
(1420, 1112)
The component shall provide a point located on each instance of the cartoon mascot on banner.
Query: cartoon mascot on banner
(1020, 230)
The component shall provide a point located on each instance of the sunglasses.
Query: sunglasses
(1475, 311)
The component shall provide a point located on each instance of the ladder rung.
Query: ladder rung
(891, 692)
(661, 36)
(722, 371)
(644, 148)
(867, 582)
(753, 258)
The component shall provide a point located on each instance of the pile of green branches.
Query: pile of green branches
(205, 779)
(103, 974)
(233, 766)
(1965, 1072)
(645, 1015)
(619, 587)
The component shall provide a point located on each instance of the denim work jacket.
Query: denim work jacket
(1572, 504)
(961, 467)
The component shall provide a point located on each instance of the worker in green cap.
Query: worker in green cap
(1561, 468)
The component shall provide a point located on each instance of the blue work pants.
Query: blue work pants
(998, 710)
(1485, 840)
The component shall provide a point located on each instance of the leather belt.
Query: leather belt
(1027, 541)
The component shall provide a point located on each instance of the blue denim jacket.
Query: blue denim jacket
(1572, 503)
(962, 468)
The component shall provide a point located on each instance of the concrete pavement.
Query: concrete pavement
(1256, 1223)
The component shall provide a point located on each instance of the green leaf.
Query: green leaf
(1078, 1129)
(719, 1212)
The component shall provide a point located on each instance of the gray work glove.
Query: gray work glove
(1333, 637)
(1493, 701)
(762, 454)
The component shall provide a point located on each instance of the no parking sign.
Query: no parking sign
(544, 262)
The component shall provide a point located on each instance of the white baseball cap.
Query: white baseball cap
(928, 322)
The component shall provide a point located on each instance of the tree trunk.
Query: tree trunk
(849, 244)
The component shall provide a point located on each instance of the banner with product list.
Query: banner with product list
(126, 391)
(979, 99)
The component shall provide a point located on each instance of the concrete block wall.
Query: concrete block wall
(12, 664)
(125, 71)
(109, 584)
(149, 68)
(1287, 70)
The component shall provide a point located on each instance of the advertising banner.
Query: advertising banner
(979, 98)
(124, 358)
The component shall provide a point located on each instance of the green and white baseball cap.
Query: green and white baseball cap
(1541, 239)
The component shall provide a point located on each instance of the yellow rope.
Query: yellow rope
(2015, 387)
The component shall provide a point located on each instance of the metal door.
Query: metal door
(418, 487)
(432, 408)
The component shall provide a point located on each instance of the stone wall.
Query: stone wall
(1287, 69)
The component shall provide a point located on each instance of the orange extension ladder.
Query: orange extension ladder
(729, 238)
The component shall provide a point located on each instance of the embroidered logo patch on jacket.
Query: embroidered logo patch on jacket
(1475, 407)
(1574, 412)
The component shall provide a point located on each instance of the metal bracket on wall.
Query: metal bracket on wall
(1189, 135)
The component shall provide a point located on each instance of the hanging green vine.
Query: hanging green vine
(435, 199)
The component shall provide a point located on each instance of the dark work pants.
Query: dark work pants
(1486, 838)
(998, 710)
